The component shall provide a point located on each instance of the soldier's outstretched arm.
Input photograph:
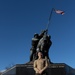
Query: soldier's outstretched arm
(43, 32)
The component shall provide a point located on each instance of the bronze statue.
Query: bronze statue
(44, 45)
(35, 41)
(34, 45)
(40, 42)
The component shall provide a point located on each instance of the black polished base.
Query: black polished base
(27, 69)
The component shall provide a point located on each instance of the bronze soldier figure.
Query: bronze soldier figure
(35, 41)
(44, 45)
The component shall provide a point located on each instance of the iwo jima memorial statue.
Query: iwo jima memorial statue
(40, 43)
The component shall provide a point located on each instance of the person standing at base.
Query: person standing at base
(40, 65)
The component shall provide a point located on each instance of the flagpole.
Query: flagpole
(50, 16)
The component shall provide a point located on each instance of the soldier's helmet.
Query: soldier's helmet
(36, 35)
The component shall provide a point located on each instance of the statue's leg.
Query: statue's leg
(35, 56)
(31, 56)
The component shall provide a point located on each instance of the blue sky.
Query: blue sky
(20, 19)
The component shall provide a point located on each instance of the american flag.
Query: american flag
(59, 12)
